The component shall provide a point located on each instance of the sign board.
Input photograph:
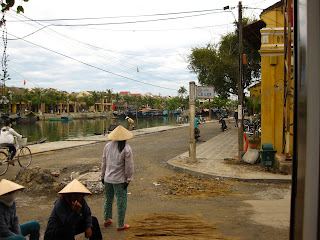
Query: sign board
(239, 111)
(205, 92)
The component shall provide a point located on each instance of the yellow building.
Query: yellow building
(255, 90)
(276, 106)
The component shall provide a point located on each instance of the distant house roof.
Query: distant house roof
(124, 93)
(136, 94)
(251, 33)
(277, 4)
(82, 94)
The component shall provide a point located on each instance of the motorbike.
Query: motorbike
(223, 124)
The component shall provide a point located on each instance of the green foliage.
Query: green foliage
(182, 91)
(217, 65)
(5, 6)
(172, 104)
(254, 104)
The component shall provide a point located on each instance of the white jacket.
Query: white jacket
(6, 135)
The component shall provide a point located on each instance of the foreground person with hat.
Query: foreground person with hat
(116, 174)
(9, 223)
(71, 215)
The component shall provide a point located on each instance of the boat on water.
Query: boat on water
(143, 113)
(25, 117)
(62, 119)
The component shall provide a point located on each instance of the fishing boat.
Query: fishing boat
(62, 119)
(25, 117)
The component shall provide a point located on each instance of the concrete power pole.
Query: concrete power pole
(240, 86)
(192, 104)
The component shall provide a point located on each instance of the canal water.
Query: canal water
(59, 131)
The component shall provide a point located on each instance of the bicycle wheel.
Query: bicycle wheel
(3, 163)
(24, 157)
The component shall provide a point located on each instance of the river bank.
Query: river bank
(77, 115)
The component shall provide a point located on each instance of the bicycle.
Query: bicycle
(23, 155)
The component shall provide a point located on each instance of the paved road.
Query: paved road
(231, 213)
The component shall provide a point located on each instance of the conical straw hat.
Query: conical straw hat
(120, 134)
(75, 187)
(7, 186)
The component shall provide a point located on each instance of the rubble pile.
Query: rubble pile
(38, 181)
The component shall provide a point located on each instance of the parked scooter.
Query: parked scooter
(223, 124)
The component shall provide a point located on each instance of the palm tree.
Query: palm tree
(109, 95)
(96, 96)
(182, 91)
(117, 98)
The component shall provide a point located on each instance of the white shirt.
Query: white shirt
(6, 135)
(117, 167)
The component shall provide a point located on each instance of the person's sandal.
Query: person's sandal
(10, 161)
(126, 226)
(107, 223)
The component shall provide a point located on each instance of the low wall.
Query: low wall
(78, 115)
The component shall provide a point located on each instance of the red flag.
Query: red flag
(24, 82)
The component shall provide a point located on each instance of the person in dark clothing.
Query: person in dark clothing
(71, 215)
(236, 118)
(10, 229)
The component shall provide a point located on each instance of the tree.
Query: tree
(217, 65)
(109, 95)
(117, 98)
(96, 96)
(6, 5)
(182, 91)
(88, 100)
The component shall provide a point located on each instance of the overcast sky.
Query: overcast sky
(138, 46)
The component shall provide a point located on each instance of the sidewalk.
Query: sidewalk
(211, 161)
(210, 155)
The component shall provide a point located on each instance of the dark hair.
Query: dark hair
(121, 145)
(7, 121)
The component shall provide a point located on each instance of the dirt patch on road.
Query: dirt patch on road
(188, 186)
(37, 181)
(161, 226)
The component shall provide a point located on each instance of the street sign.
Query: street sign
(205, 92)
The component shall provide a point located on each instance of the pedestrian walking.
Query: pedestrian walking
(236, 117)
(9, 222)
(116, 173)
(71, 215)
(131, 122)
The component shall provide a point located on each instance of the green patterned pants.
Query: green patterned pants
(121, 195)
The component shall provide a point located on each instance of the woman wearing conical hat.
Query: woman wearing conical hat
(9, 223)
(71, 215)
(116, 174)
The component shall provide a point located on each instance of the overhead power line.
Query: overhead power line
(128, 22)
(92, 66)
(131, 16)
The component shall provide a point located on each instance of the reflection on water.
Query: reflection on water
(58, 131)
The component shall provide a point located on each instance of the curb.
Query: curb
(210, 176)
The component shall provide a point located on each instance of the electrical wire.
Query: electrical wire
(129, 22)
(24, 77)
(92, 66)
(131, 16)
(132, 66)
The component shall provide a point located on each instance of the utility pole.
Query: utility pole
(240, 86)
(192, 105)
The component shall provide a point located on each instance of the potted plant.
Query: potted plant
(254, 142)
